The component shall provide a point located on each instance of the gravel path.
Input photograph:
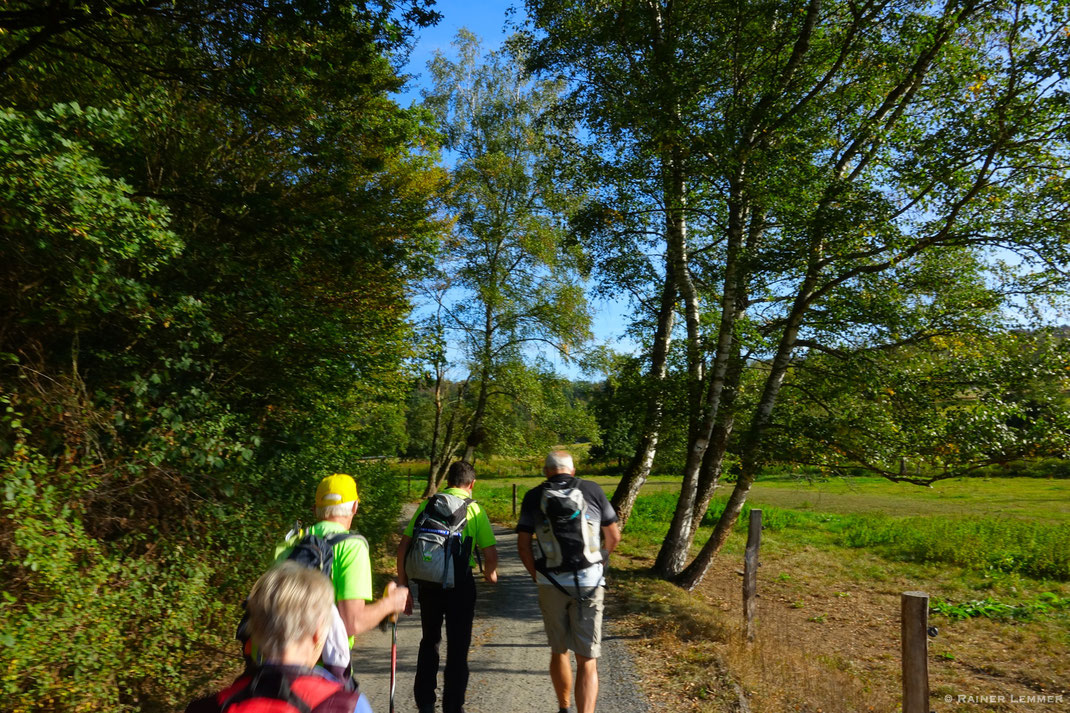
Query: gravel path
(509, 658)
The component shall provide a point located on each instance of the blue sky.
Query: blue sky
(487, 20)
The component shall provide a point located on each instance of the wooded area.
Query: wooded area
(231, 263)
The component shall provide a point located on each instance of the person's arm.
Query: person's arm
(360, 615)
(403, 578)
(611, 535)
(527, 557)
(490, 564)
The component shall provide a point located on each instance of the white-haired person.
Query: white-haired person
(565, 532)
(351, 569)
(290, 612)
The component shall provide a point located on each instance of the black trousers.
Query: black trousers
(457, 607)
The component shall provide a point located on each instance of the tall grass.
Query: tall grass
(1003, 544)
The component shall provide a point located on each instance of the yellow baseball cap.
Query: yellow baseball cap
(335, 490)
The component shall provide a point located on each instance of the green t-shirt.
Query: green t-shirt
(351, 569)
(477, 527)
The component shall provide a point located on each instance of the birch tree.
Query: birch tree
(513, 280)
(869, 166)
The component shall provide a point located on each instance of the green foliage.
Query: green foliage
(1045, 604)
(535, 411)
(529, 410)
(950, 406)
(1040, 468)
(619, 404)
(59, 199)
(823, 180)
(509, 283)
(205, 252)
(119, 624)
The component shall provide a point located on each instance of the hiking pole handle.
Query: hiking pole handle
(389, 618)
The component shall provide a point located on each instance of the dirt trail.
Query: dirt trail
(509, 658)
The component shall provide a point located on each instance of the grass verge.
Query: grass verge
(829, 608)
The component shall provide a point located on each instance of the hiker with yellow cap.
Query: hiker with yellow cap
(345, 560)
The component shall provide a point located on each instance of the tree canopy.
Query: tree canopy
(833, 177)
(211, 214)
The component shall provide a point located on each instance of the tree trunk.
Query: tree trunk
(713, 461)
(643, 460)
(450, 442)
(710, 474)
(475, 431)
(692, 575)
(431, 486)
(669, 560)
(674, 550)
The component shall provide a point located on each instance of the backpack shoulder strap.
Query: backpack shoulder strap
(339, 702)
(265, 683)
(301, 689)
(334, 539)
(422, 514)
(316, 690)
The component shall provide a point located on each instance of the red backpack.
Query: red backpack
(280, 689)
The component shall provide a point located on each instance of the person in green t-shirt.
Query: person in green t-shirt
(455, 605)
(351, 571)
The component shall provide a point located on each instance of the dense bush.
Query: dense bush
(209, 216)
(1041, 468)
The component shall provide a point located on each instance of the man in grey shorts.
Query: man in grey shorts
(568, 566)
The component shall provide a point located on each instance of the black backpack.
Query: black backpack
(311, 550)
(567, 539)
(315, 551)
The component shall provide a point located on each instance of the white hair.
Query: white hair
(559, 462)
(288, 603)
(339, 510)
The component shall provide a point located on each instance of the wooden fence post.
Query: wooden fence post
(915, 624)
(750, 572)
(514, 499)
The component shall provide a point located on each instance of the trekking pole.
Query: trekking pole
(393, 652)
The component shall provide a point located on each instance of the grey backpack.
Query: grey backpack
(437, 546)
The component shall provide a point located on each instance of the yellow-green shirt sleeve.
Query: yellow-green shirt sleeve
(479, 527)
(352, 570)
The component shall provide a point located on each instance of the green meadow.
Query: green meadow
(997, 525)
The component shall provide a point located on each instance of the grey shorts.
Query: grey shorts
(571, 624)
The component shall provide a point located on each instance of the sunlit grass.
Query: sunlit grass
(994, 543)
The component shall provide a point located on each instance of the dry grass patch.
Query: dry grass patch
(819, 611)
(691, 654)
(828, 636)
